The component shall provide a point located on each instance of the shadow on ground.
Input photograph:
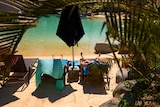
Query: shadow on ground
(48, 90)
(7, 91)
(12, 86)
(91, 89)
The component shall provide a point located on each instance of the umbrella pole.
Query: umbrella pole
(73, 55)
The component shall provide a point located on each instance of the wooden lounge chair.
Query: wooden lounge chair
(96, 74)
(19, 72)
(104, 48)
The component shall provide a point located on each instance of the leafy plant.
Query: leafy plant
(138, 31)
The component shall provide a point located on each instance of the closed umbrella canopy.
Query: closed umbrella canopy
(70, 28)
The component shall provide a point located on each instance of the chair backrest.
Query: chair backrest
(18, 64)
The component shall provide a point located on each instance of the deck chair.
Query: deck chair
(52, 68)
(95, 73)
(19, 72)
(104, 48)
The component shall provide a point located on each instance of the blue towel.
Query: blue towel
(64, 62)
(86, 69)
(76, 63)
(51, 67)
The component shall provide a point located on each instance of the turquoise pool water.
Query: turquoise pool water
(42, 40)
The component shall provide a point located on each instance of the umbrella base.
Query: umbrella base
(73, 74)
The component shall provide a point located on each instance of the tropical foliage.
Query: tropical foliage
(138, 31)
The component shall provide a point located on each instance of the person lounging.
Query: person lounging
(85, 63)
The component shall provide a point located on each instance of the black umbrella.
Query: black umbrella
(70, 28)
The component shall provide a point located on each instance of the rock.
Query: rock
(123, 87)
(119, 75)
(114, 102)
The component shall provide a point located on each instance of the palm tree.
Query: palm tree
(138, 31)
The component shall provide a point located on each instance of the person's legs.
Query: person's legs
(98, 57)
(82, 57)
(87, 61)
(84, 62)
